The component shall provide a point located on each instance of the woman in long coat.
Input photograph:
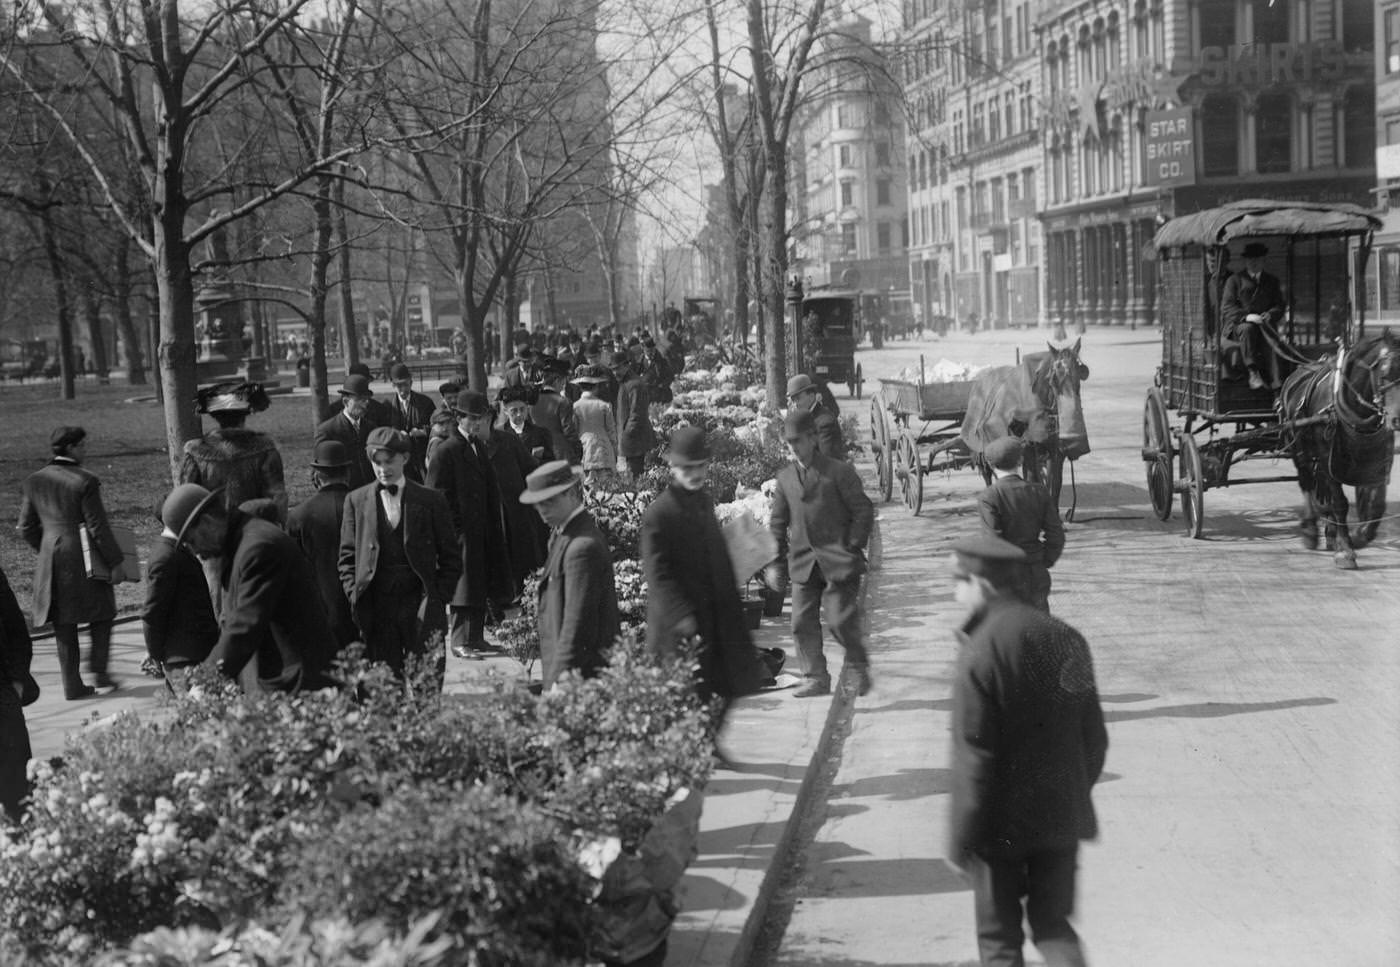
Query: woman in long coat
(58, 501)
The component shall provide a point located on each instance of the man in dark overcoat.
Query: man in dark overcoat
(178, 619)
(554, 413)
(804, 395)
(272, 605)
(635, 435)
(17, 689)
(351, 427)
(399, 561)
(578, 616)
(462, 470)
(691, 588)
(1251, 306)
(1024, 513)
(822, 518)
(315, 525)
(526, 536)
(411, 412)
(1028, 745)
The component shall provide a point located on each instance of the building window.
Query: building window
(1271, 22)
(993, 120)
(1273, 134)
(882, 153)
(1215, 24)
(962, 210)
(844, 155)
(1392, 130)
(1392, 40)
(882, 238)
(882, 113)
(1219, 136)
(1028, 188)
(848, 239)
(1015, 243)
(998, 203)
(904, 233)
(1359, 127)
(882, 191)
(844, 116)
(847, 193)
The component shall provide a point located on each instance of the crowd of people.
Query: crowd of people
(430, 515)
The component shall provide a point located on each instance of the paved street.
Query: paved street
(1250, 809)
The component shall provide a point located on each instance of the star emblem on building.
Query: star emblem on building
(1089, 109)
(1166, 89)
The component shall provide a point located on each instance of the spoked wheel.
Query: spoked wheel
(880, 446)
(912, 479)
(1157, 453)
(858, 386)
(1193, 486)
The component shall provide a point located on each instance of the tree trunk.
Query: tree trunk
(126, 324)
(510, 304)
(551, 314)
(58, 276)
(473, 322)
(320, 290)
(92, 314)
(774, 275)
(350, 338)
(175, 291)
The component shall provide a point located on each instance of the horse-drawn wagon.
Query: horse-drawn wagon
(1332, 408)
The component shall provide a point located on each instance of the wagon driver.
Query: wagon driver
(1250, 308)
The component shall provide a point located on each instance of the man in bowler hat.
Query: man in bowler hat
(1250, 309)
(1028, 745)
(411, 412)
(1024, 513)
(805, 395)
(578, 613)
(398, 556)
(822, 519)
(352, 426)
(315, 525)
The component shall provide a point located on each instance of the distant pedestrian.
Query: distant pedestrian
(59, 502)
(518, 366)
(315, 525)
(514, 402)
(822, 518)
(525, 534)
(553, 412)
(411, 412)
(17, 689)
(805, 395)
(178, 619)
(1025, 514)
(597, 425)
(399, 561)
(636, 438)
(244, 465)
(439, 430)
(352, 427)
(1028, 745)
(578, 613)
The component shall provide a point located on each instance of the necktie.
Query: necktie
(390, 489)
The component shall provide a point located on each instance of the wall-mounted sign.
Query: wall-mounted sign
(1169, 155)
(1262, 65)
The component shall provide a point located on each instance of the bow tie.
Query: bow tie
(392, 489)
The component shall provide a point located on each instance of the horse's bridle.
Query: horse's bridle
(1376, 404)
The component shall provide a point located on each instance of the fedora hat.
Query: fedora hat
(330, 455)
(688, 445)
(183, 507)
(357, 386)
(549, 479)
(1255, 250)
(800, 384)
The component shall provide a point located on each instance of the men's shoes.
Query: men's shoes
(1255, 380)
(107, 681)
(462, 651)
(860, 680)
(151, 668)
(812, 688)
(84, 691)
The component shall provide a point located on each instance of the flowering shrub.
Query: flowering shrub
(709, 420)
(520, 633)
(757, 502)
(631, 595)
(619, 516)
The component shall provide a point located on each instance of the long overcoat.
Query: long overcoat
(525, 533)
(464, 474)
(635, 435)
(1028, 734)
(688, 572)
(245, 463)
(56, 502)
(578, 613)
(315, 525)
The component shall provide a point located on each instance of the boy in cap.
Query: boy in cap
(1025, 514)
(398, 557)
(1028, 745)
(1250, 308)
(822, 518)
(352, 427)
(315, 525)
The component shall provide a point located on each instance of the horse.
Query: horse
(1341, 414)
(1038, 401)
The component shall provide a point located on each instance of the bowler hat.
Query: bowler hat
(357, 386)
(470, 402)
(549, 479)
(798, 423)
(1004, 453)
(359, 369)
(688, 445)
(183, 507)
(400, 371)
(330, 455)
(1255, 250)
(988, 556)
(388, 439)
(800, 384)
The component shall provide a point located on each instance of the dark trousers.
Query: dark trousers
(1044, 880)
(839, 603)
(1035, 586)
(1258, 354)
(636, 464)
(14, 751)
(67, 638)
(467, 627)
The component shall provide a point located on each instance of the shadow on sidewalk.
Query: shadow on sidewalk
(1214, 710)
(906, 784)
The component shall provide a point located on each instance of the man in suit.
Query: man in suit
(351, 427)
(411, 412)
(1028, 745)
(315, 525)
(272, 605)
(578, 614)
(1250, 309)
(823, 519)
(1025, 514)
(178, 620)
(462, 470)
(377, 410)
(554, 413)
(398, 556)
(635, 436)
(804, 395)
(17, 689)
(518, 366)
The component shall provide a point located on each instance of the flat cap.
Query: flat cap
(1004, 453)
(988, 556)
(388, 439)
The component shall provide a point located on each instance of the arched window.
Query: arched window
(1359, 126)
(1052, 53)
(1115, 55)
(1273, 134)
(1215, 24)
(1100, 50)
(1220, 135)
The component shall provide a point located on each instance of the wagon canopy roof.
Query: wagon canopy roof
(1257, 217)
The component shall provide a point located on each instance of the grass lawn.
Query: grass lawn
(126, 449)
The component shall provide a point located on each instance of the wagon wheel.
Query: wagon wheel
(1156, 440)
(858, 383)
(880, 446)
(1193, 486)
(912, 480)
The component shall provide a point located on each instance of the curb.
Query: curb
(837, 716)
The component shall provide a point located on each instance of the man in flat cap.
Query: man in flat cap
(806, 396)
(411, 412)
(1028, 745)
(398, 556)
(1250, 309)
(822, 519)
(352, 427)
(578, 613)
(315, 525)
(272, 614)
(1024, 513)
